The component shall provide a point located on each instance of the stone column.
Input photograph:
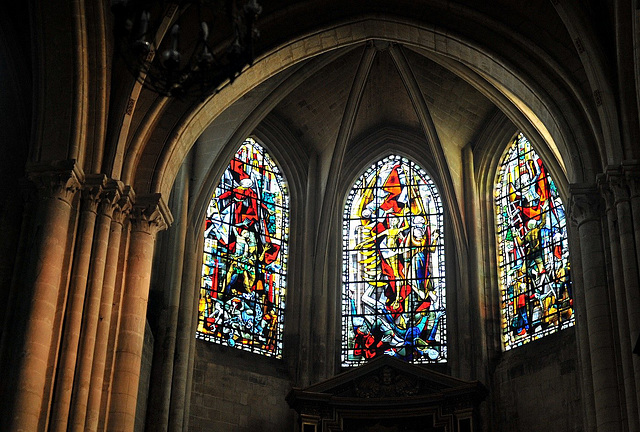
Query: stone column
(149, 215)
(108, 198)
(57, 189)
(621, 310)
(631, 172)
(112, 340)
(121, 210)
(165, 353)
(187, 322)
(582, 326)
(586, 211)
(302, 317)
(618, 184)
(75, 305)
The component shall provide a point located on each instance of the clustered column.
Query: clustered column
(75, 304)
(587, 214)
(146, 219)
(97, 389)
(614, 233)
(56, 193)
(78, 266)
(622, 315)
(109, 196)
(630, 304)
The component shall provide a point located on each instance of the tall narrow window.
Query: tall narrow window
(533, 253)
(393, 295)
(242, 293)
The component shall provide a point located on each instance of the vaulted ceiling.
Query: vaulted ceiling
(383, 83)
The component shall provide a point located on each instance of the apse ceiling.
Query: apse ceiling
(314, 110)
(328, 103)
(370, 86)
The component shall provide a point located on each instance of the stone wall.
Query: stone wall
(536, 387)
(236, 391)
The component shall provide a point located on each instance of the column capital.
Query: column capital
(617, 183)
(124, 204)
(58, 179)
(607, 193)
(112, 191)
(92, 191)
(150, 214)
(585, 204)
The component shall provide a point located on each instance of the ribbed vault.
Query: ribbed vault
(453, 67)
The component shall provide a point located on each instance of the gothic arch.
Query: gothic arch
(531, 236)
(277, 140)
(361, 154)
(401, 231)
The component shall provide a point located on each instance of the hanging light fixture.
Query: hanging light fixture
(185, 48)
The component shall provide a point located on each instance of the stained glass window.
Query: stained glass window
(533, 253)
(242, 294)
(393, 296)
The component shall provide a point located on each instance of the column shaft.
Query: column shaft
(88, 335)
(114, 329)
(146, 221)
(175, 252)
(189, 296)
(74, 310)
(582, 333)
(47, 260)
(131, 335)
(586, 210)
(621, 309)
(629, 272)
(104, 323)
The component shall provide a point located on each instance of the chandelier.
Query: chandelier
(185, 48)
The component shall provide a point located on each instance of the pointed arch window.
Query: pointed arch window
(533, 252)
(393, 295)
(242, 295)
